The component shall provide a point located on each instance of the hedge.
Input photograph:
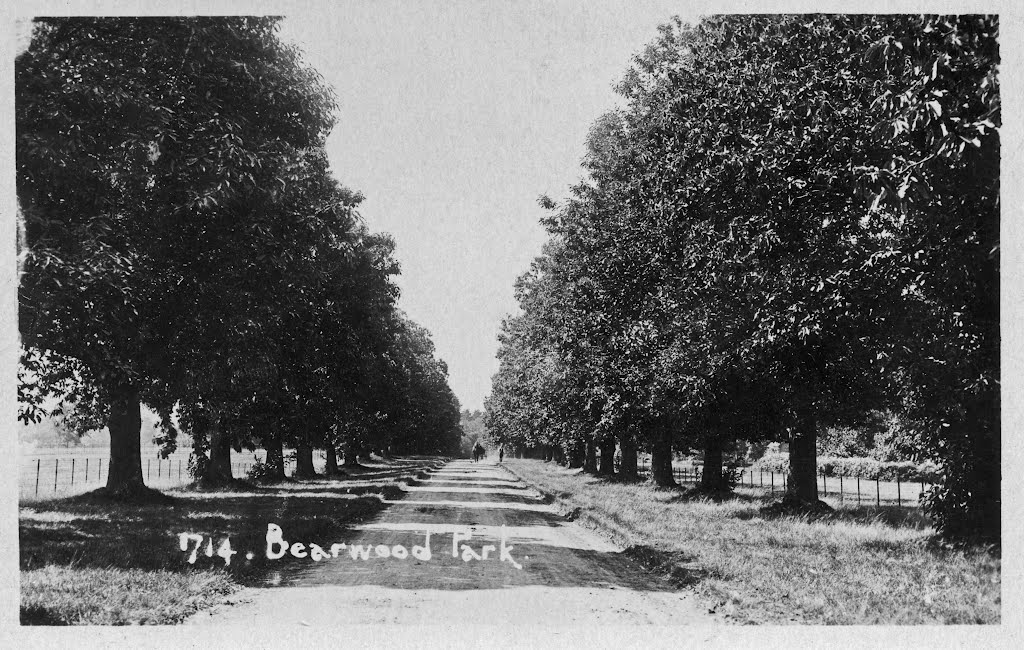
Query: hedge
(866, 468)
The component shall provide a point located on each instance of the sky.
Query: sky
(454, 118)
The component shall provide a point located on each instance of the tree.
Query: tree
(937, 201)
(134, 137)
(792, 223)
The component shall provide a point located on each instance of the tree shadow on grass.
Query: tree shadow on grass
(35, 615)
(893, 516)
(691, 494)
(91, 530)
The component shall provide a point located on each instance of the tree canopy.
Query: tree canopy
(186, 247)
(792, 222)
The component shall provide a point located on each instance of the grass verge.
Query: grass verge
(861, 566)
(86, 560)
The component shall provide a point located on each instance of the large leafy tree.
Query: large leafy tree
(937, 191)
(793, 221)
(141, 142)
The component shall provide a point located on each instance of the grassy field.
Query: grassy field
(85, 561)
(861, 566)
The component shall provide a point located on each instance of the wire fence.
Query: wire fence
(843, 489)
(58, 474)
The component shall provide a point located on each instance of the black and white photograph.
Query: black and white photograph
(611, 324)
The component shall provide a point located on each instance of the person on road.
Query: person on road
(501, 453)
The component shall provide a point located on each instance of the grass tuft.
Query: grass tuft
(72, 595)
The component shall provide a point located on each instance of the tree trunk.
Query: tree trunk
(332, 459)
(304, 461)
(577, 455)
(218, 470)
(351, 450)
(559, 454)
(607, 466)
(803, 459)
(590, 462)
(628, 467)
(124, 473)
(275, 457)
(661, 457)
(987, 475)
(711, 478)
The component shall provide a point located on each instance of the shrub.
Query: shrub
(756, 450)
(262, 471)
(895, 440)
(773, 461)
(732, 474)
(846, 442)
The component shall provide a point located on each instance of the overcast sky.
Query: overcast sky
(454, 118)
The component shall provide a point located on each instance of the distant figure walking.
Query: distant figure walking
(501, 453)
(478, 452)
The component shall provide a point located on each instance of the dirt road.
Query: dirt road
(497, 554)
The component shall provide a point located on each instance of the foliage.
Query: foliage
(791, 225)
(845, 442)
(263, 471)
(186, 247)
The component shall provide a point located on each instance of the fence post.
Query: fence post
(38, 463)
(841, 493)
(773, 482)
(99, 471)
(858, 490)
(86, 470)
(56, 464)
(72, 471)
(824, 485)
(158, 463)
(148, 461)
(898, 499)
(179, 469)
(878, 493)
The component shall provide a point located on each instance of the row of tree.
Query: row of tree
(791, 223)
(184, 245)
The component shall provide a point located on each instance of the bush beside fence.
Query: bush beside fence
(865, 468)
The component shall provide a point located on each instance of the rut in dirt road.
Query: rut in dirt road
(495, 549)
